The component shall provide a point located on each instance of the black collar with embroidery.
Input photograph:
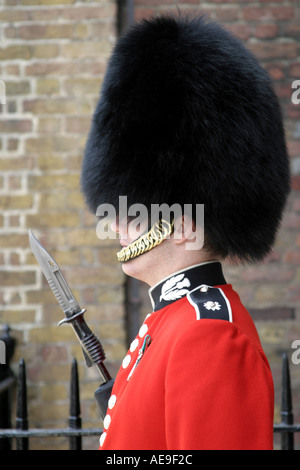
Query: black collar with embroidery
(178, 284)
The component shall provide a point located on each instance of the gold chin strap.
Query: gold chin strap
(156, 235)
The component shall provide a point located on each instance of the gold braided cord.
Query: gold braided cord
(156, 235)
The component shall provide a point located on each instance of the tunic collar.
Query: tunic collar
(178, 284)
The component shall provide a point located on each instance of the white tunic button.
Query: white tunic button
(102, 438)
(126, 361)
(112, 402)
(106, 421)
(134, 344)
(143, 330)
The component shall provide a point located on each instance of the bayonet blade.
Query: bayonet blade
(55, 278)
(57, 283)
(91, 346)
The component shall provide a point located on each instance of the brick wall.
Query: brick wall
(52, 57)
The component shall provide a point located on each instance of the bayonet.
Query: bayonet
(91, 346)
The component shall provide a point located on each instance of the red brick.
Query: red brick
(51, 106)
(242, 31)
(152, 2)
(14, 182)
(268, 13)
(294, 294)
(292, 29)
(12, 144)
(296, 204)
(292, 111)
(88, 12)
(12, 240)
(227, 14)
(42, 31)
(272, 313)
(17, 278)
(89, 296)
(222, 1)
(16, 163)
(14, 15)
(294, 70)
(274, 50)
(82, 87)
(14, 52)
(276, 71)
(294, 148)
(94, 67)
(16, 202)
(283, 90)
(79, 124)
(268, 273)
(267, 1)
(264, 31)
(14, 221)
(14, 259)
(54, 354)
(292, 257)
(12, 69)
(144, 12)
(19, 87)
(296, 184)
(291, 221)
(15, 125)
(51, 68)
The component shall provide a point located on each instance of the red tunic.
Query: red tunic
(203, 382)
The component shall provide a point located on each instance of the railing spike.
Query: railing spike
(22, 415)
(74, 418)
(7, 380)
(287, 417)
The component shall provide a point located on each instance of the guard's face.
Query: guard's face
(149, 266)
(129, 229)
(152, 265)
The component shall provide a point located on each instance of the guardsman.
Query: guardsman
(188, 118)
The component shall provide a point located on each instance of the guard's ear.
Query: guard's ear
(187, 232)
(184, 229)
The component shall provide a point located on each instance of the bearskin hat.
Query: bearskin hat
(188, 116)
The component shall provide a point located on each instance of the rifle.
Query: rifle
(92, 349)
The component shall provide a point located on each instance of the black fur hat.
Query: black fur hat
(187, 115)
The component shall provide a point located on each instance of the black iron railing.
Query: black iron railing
(22, 433)
(286, 428)
(7, 382)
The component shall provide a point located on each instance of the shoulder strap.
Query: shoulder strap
(210, 303)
